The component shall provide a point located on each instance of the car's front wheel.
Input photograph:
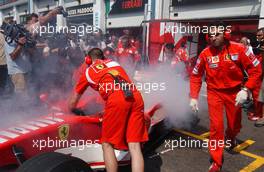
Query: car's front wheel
(54, 162)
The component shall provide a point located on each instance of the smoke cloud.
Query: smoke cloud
(174, 98)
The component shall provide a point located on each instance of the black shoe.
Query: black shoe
(232, 143)
(259, 122)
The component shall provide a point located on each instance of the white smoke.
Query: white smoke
(174, 98)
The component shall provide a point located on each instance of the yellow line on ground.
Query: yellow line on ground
(206, 135)
(251, 155)
(190, 134)
(243, 145)
(259, 161)
(253, 166)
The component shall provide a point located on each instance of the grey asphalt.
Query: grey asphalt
(196, 159)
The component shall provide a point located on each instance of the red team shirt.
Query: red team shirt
(123, 120)
(224, 69)
(127, 55)
(98, 73)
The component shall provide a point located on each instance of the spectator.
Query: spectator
(126, 33)
(245, 41)
(18, 64)
(34, 21)
(3, 66)
(113, 43)
(94, 40)
(100, 42)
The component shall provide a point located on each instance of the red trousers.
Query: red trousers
(218, 100)
(124, 121)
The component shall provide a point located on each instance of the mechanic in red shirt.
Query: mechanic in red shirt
(183, 56)
(223, 61)
(182, 52)
(127, 55)
(123, 125)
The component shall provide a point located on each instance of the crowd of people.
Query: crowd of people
(53, 62)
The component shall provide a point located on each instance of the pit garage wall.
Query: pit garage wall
(15, 10)
(159, 36)
(201, 9)
(98, 18)
(119, 17)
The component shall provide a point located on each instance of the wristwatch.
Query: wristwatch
(245, 89)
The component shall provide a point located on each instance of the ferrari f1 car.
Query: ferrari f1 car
(59, 142)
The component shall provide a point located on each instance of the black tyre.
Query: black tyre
(54, 162)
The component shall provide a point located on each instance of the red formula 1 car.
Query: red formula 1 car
(58, 142)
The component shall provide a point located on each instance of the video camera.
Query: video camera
(13, 32)
(62, 11)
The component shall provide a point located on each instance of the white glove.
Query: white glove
(241, 97)
(194, 104)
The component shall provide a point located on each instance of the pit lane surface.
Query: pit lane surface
(249, 155)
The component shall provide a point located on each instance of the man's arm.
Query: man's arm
(74, 99)
(18, 48)
(80, 87)
(44, 19)
(196, 77)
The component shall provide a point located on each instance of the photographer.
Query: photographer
(18, 64)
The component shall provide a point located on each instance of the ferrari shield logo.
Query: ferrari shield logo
(215, 59)
(64, 131)
(100, 66)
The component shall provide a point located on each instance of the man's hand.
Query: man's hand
(20, 43)
(78, 112)
(22, 40)
(194, 104)
(72, 104)
(242, 96)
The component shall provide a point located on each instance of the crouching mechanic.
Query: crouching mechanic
(224, 61)
(123, 125)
